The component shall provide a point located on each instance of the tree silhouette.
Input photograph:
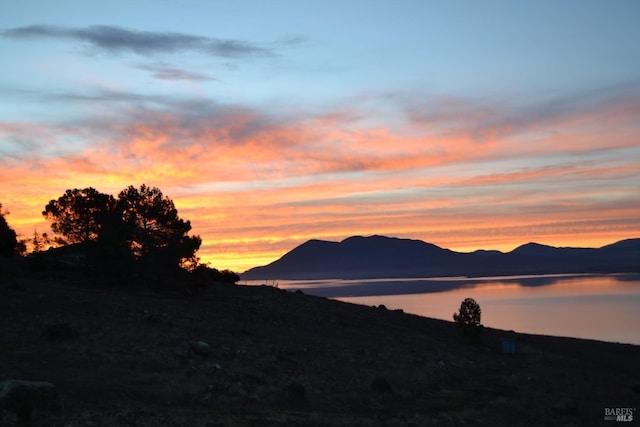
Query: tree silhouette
(39, 241)
(467, 320)
(156, 232)
(111, 257)
(77, 214)
(8, 237)
(140, 230)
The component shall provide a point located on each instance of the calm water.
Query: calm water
(602, 307)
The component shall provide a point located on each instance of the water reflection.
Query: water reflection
(409, 286)
(602, 307)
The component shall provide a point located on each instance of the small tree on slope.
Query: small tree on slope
(467, 320)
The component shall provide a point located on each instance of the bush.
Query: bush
(203, 277)
(467, 320)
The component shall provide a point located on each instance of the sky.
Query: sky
(470, 125)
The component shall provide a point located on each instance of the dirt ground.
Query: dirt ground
(259, 356)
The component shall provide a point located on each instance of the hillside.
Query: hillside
(259, 356)
(274, 358)
(384, 257)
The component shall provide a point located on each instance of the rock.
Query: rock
(381, 386)
(22, 397)
(201, 348)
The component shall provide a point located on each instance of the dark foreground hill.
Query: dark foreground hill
(385, 257)
(265, 357)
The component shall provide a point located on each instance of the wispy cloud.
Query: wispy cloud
(153, 128)
(485, 119)
(252, 178)
(114, 39)
(163, 71)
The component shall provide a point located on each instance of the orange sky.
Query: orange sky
(255, 186)
(481, 125)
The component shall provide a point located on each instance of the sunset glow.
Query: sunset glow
(271, 123)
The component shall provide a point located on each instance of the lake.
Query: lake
(601, 307)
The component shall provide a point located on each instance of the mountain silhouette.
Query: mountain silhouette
(385, 257)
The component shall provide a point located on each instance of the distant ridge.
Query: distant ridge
(377, 256)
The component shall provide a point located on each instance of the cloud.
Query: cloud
(487, 119)
(114, 39)
(251, 177)
(163, 71)
(164, 129)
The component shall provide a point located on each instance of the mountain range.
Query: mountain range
(376, 256)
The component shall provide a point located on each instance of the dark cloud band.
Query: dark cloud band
(118, 39)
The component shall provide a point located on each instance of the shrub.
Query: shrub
(467, 320)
